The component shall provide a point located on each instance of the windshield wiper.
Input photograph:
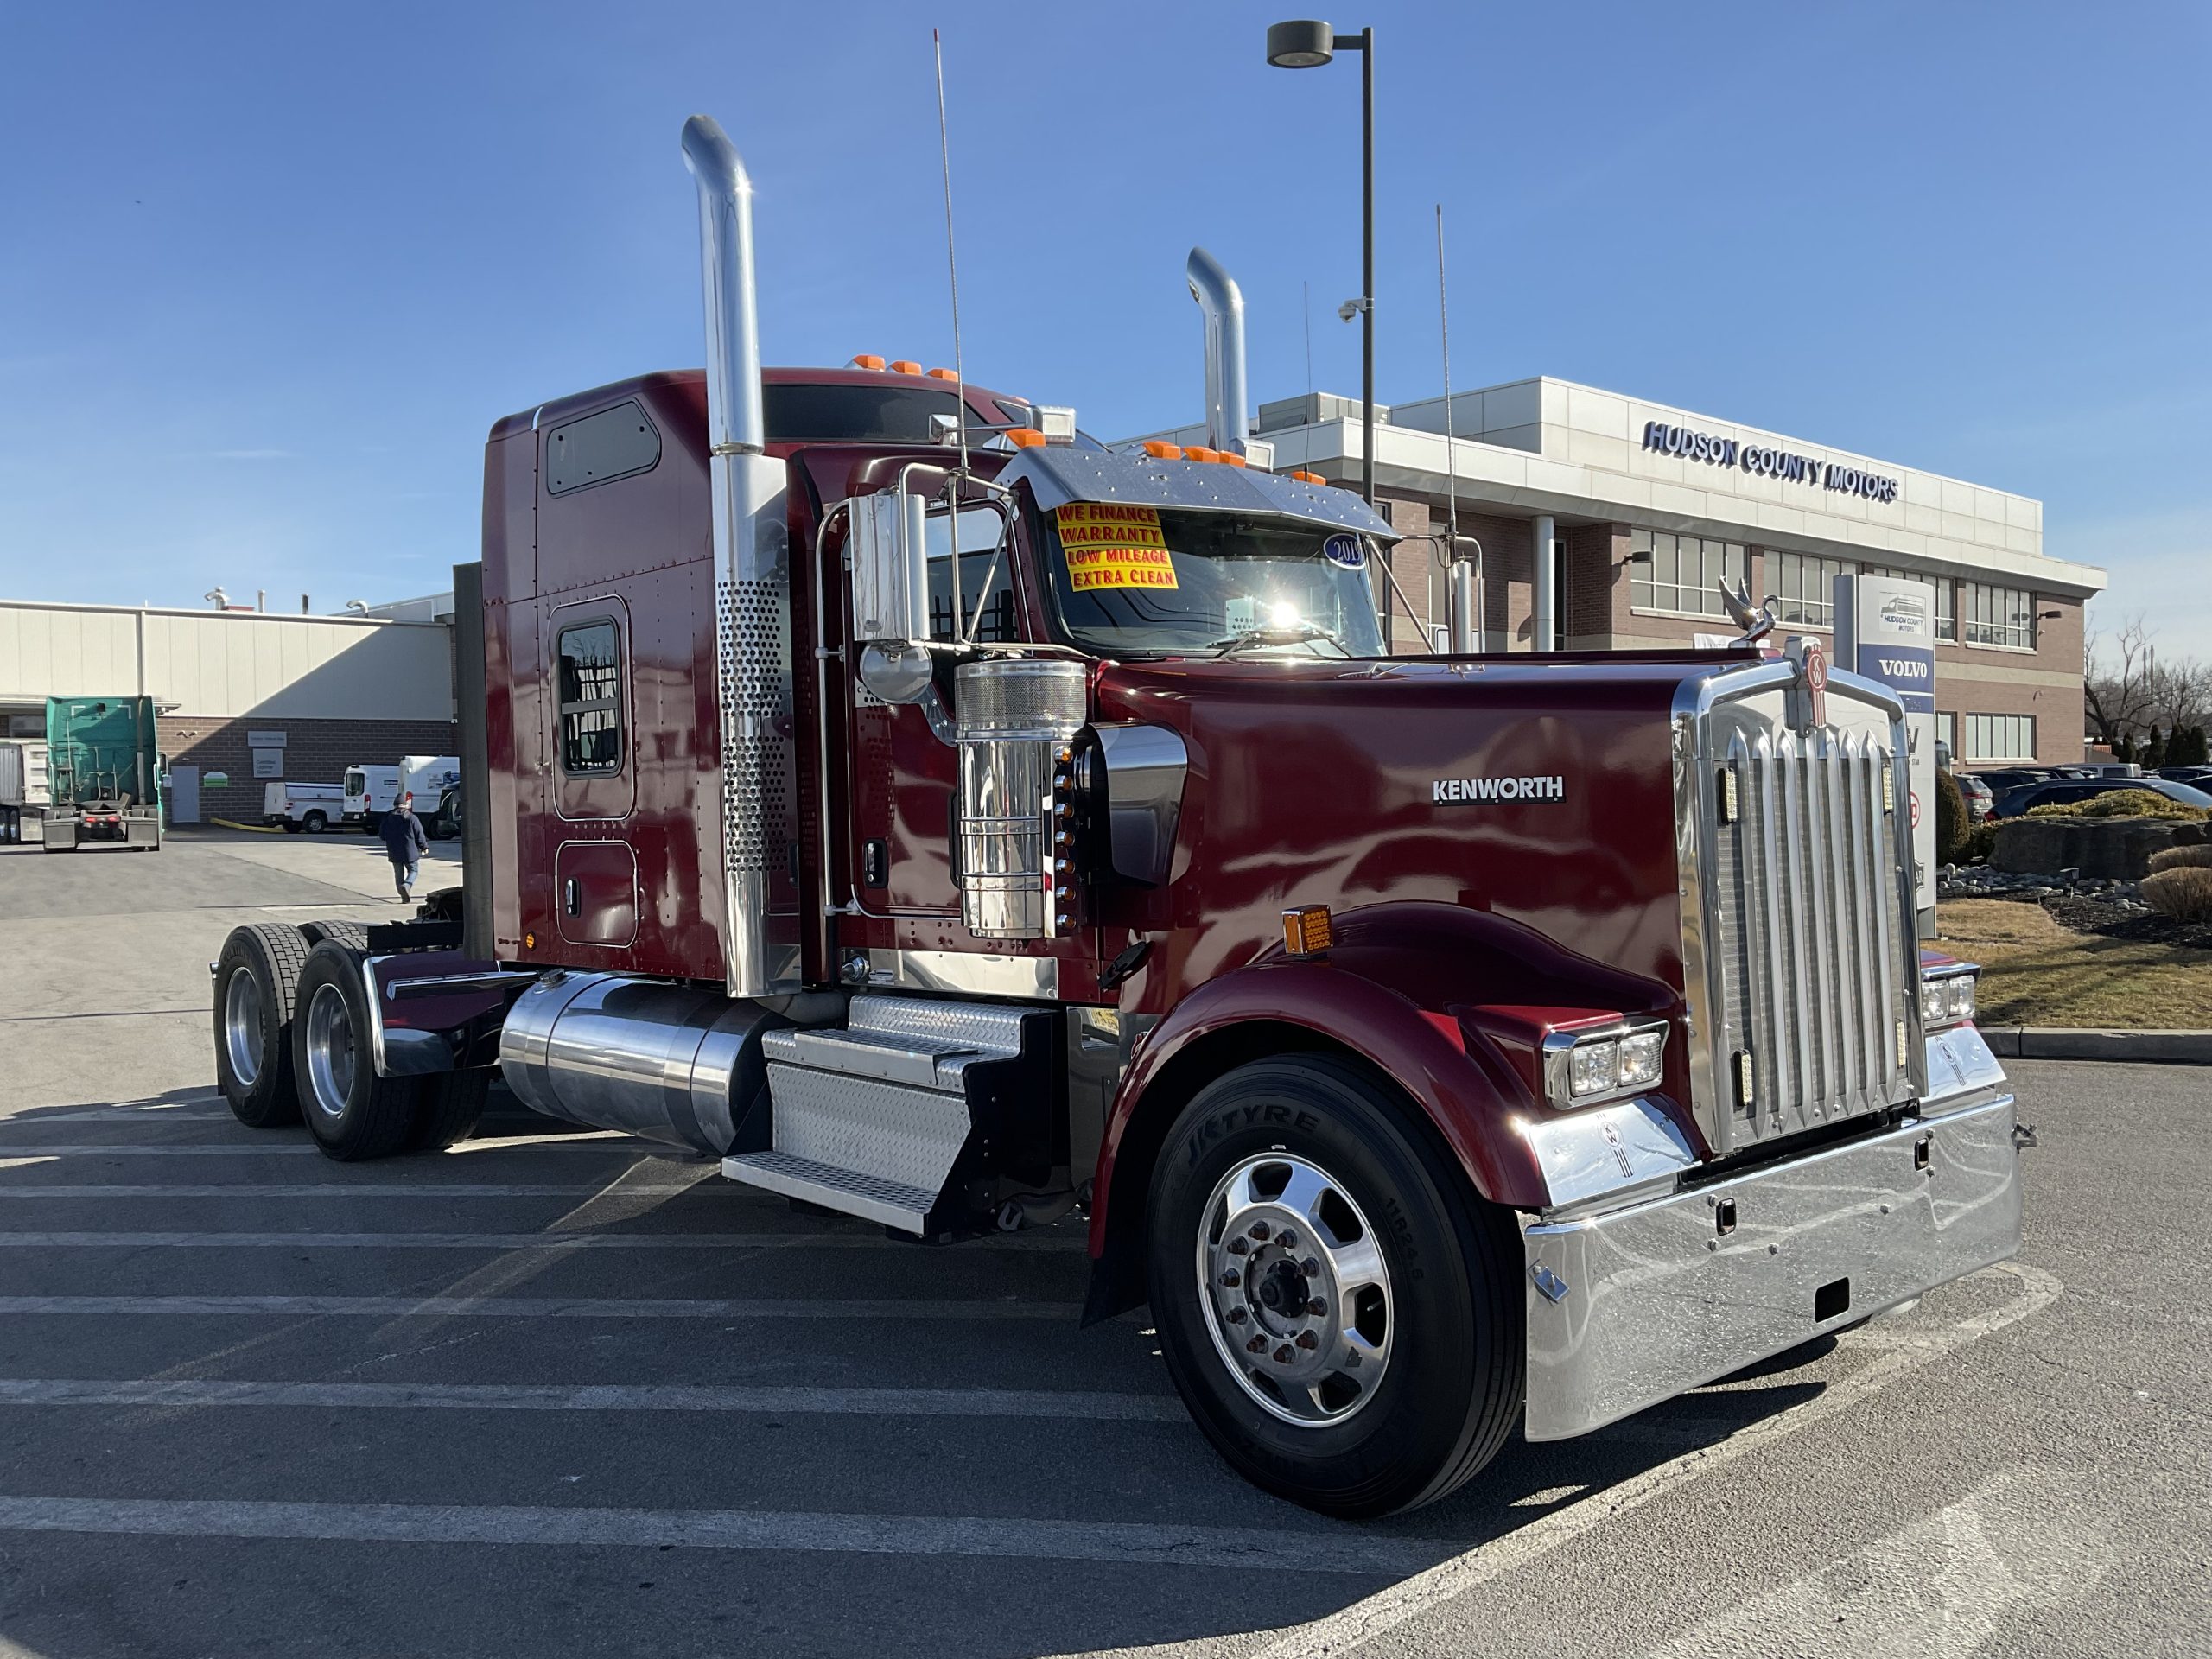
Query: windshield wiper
(1303, 633)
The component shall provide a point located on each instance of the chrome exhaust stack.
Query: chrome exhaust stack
(1223, 303)
(752, 582)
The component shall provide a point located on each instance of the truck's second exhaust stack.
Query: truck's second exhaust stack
(1223, 303)
(752, 579)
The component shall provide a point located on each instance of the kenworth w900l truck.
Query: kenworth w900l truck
(942, 819)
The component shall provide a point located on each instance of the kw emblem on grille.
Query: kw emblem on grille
(1446, 791)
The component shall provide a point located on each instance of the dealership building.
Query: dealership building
(1646, 508)
(240, 695)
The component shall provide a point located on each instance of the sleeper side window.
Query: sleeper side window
(591, 699)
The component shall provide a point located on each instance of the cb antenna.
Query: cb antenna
(952, 261)
(1451, 466)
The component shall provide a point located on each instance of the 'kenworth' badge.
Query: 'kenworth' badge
(1447, 790)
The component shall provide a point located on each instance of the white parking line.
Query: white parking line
(599, 1140)
(535, 1307)
(1048, 1241)
(1361, 1623)
(197, 1392)
(121, 1114)
(373, 1189)
(1321, 1547)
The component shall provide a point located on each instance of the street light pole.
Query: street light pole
(1307, 44)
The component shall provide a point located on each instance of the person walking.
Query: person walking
(405, 843)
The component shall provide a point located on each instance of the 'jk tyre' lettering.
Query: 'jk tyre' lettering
(1210, 1130)
(1445, 791)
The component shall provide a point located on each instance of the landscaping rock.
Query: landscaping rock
(2116, 848)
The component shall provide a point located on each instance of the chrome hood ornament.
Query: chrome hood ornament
(1756, 624)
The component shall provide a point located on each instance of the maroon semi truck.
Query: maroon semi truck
(945, 820)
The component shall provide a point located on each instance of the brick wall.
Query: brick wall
(315, 751)
(2046, 684)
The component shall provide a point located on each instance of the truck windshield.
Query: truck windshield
(1133, 580)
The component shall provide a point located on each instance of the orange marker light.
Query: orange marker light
(1199, 452)
(942, 374)
(865, 360)
(1160, 451)
(1024, 437)
(1306, 931)
(1228, 458)
(906, 365)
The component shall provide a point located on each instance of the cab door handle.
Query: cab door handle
(572, 896)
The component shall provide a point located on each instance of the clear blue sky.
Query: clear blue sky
(268, 273)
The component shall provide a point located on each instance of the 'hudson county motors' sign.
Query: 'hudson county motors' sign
(1680, 441)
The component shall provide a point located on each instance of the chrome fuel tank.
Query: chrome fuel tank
(669, 1062)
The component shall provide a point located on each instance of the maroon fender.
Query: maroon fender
(1471, 1104)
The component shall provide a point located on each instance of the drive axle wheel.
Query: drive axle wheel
(1339, 1310)
(351, 1112)
(256, 977)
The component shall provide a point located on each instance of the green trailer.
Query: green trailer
(104, 766)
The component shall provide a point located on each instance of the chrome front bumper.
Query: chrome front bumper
(1633, 1306)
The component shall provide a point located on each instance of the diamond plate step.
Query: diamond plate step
(848, 1192)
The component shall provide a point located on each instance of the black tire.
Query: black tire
(354, 936)
(352, 1113)
(270, 955)
(1450, 1387)
(452, 1103)
(291, 829)
(314, 823)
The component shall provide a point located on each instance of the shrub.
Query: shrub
(2185, 894)
(2119, 803)
(2182, 858)
(1951, 821)
(1978, 843)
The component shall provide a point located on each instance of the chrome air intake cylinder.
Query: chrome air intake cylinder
(1017, 718)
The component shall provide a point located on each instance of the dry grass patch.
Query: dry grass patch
(2037, 973)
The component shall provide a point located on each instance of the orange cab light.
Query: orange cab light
(1199, 452)
(905, 365)
(865, 360)
(1306, 931)
(1024, 437)
(1228, 458)
(1158, 449)
(942, 374)
(1309, 478)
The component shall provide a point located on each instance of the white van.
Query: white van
(303, 808)
(371, 791)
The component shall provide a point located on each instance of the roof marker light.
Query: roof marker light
(865, 360)
(905, 365)
(1199, 452)
(942, 374)
(1024, 437)
(1160, 451)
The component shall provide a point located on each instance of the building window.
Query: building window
(1806, 584)
(1998, 616)
(591, 699)
(2000, 737)
(1946, 735)
(1681, 572)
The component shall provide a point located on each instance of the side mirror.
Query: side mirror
(887, 553)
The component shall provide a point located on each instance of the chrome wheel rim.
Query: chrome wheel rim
(1295, 1290)
(330, 1051)
(242, 1027)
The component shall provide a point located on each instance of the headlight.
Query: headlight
(1641, 1056)
(1592, 1068)
(1602, 1065)
(1948, 999)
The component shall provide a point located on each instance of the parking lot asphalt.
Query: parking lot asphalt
(547, 1394)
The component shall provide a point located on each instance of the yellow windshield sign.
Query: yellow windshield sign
(1109, 545)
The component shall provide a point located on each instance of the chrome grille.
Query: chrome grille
(1811, 958)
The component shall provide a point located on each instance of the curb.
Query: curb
(2069, 1043)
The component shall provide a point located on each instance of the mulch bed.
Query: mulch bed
(2086, 916)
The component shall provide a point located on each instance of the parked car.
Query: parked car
(2001, 779)
(2193, 776)
(1980, 799)
(2014, 801)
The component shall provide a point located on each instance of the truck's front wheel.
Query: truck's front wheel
(1338, 1309)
